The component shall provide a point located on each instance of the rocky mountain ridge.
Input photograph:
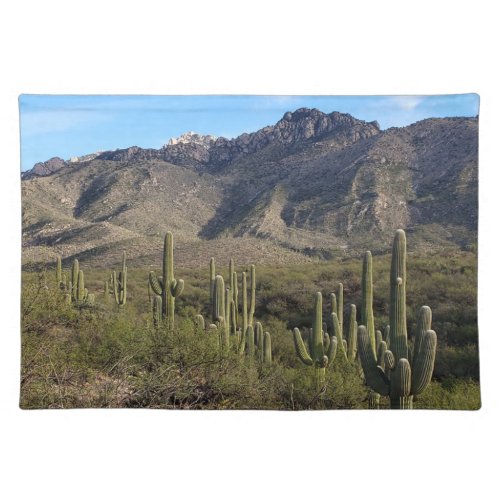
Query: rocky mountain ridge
(313, 185)
(199, 150)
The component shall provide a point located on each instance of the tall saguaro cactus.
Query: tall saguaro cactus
(212, 279)
(367, 318)
(119, 284)
(167, 286)
(59, 277)
(394, 372)
(321, 351)
(75, 269)
(251, 313)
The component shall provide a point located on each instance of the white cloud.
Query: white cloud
(406, 102)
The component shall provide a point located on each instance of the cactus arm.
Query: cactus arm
(227, 309)
(424, 321)
(326, 341)
(231, 277)
(157, 311)
(332, 350)
(317, 350)
(232, 319)
(340, 306)
(250, 341)
(382, 348)
(212, 278)
(80, 290)
(398, 334)
(177, 288)
(244, 304)
(401, 385)
(114, 282)
(372, 374)
(259, 341)
(155, 285)
(423, 364)
(337, 332)
(367, 299)
(352, 334)
(300, 348)
(333, 303)
(251, 313)
(268, 357)
(212, 328)
(235, 295)
(124, 290)
(59, 270)
(242, 343)
(389, 361)
(74, 279)
(218, 310)
(199, 323)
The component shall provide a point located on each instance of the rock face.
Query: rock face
(193, 138)
(207, 151)
(314, 183)
(46, 168)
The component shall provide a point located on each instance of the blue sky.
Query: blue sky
(66, 126)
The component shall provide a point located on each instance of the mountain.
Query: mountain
(313, 185)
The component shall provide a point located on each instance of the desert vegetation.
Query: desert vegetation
(346, 333)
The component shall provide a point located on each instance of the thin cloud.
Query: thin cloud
(407, 103)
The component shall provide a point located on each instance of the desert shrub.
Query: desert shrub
(451, 393)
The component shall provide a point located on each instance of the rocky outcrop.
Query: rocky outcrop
(294, 128)
(193, 138)
(207, 151)
(45, 168)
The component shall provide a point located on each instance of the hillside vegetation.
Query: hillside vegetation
(103, 355)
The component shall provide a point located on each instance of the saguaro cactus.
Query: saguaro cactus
(251, 313)
(352, 335)
(119, 284)
(75, 269)
(212, 279)
(244, 304)
(199, 323)
(59, 277)
(394, 372)
(367, 318)
(321, 351)
(167, 286)
(157, 311)
(268, 357)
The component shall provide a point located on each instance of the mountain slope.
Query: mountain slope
(311, 185)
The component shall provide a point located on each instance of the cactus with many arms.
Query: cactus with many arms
(83, 297)
(167, 286)
(397, 372)
(119, 284)
(322, 349)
